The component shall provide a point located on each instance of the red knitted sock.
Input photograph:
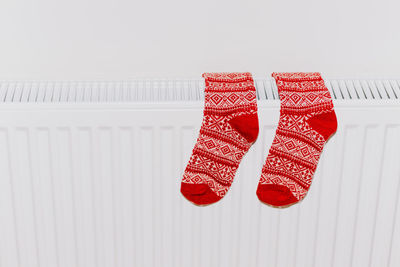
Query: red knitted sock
(229, 128)
(306, 122)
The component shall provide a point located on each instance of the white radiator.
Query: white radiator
(90, 176)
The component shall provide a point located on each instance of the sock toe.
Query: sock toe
(275, 195)
(199, 194)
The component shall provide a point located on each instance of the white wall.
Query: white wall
(122, 39)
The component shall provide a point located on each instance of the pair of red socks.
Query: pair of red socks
(230, 127)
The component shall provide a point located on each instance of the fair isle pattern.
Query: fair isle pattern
(220, 147)
(296, 149)
(227, 99)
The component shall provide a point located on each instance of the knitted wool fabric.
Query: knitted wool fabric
(229, 128)
(307, 120)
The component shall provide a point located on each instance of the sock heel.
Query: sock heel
(246, 125)
(324, 123)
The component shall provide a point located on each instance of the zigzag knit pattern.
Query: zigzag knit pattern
(229, 128)
(307, 120)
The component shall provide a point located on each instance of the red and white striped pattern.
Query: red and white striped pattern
(220, 146)
(298, 143)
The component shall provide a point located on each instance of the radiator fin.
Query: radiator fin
(162, 90)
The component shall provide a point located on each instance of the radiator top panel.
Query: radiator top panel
(167, 90)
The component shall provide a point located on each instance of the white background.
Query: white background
(112, 40)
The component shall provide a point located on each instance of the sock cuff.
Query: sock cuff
(227, 77)
(302, 92)
(300, 82)
(225, 82)
(297, 76)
